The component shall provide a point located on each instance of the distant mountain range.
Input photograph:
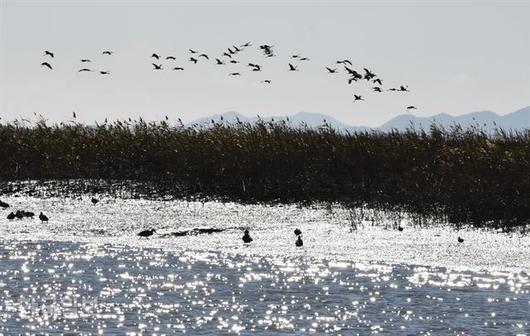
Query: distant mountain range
(517, 120)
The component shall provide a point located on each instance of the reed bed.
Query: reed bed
(460, 176)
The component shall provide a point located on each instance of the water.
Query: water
(86, 272)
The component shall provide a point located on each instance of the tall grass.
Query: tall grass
(463, 176)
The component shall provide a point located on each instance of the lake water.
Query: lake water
(87, 272)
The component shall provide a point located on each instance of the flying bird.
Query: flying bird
(378, 81)
(268, 81)
(377, 89)
(219, 62)
(178, 68)
(205, 56)
(331, 70)
(236, 49)
(292, 67)
(248, 44)
(85, 60)
(84, 70)
(227, 55)
(107, 52)
(194, 60)
(295, 56)
(192, 51)
(171, 58)
(46, 64)
(368, 74)
(48, 53)
(411, 107)
(344, 62)
(304, 59)
(157, 66)
(234, 74)
(404, 88)
(104, 73)
(357, 97)
(234, 61)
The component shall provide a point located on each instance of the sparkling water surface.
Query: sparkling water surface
(86, 272)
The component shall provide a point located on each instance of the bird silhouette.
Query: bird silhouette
(234, 61)
(219, 62)
(234, 74)
(28, 214)
(378, 81)
(11, 216)
(205, 56)
(368, 74)
(43, 217)
(351, 80)
(460, 239)
(46, 64)
(85, 60)
(331, 70)
(304, 59)
(227, 55)
(400, 228)
(171, 58)
(94, 200)
(104, 73)
(49, 53)
(194, 60)
(19, 214)
(357, 97)
(248, 44)
(404, 88)
(236, 49)
(157, 66)
(292, 67)
(268, 81)
(178, 68)
(192, 51)
(377, 89)
(246, 237)
(295, 56)
(412, 107)
(107, 52)
(146, 233)
(299, 242)
(231, 51)
(155, 56)
(84, 70)
(344, 62)
(4, 205)
(297, 231)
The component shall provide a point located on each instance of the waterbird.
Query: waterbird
(43, 217)
(104, 72)
(248, 44)
(205, 56)
(154, 55)
(331, 70)
(19, 214)
(227, 55)
(234, 74)
(411, 107)
(400, 228)
(146, 233)
(84, 70)
(234, 61)
(292, 67)
(357, 97)
(85, 60)
(299, 242)
(4, 204)
(268, 81)
(378, 81)
(28, 214)
(157, 66)
(194, 60)
(46, 64)
(344, 62)
(236, 48)
(48, 53)
(377, 89)
(11, 216)
(219, 62)
(94, 200)
(368, 74)
(171, 58)
(178, 68)
(107, 52)
(297, 231)
(304, 59)
(460, 239)
(192, 51)
(404, 88)
(246, 237)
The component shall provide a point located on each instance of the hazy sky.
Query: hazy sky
(456, 57)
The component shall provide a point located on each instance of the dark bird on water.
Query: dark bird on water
(246, 237)
(11, 216)
(43, 217)
(404, 88)
(4, 204)
(297, 231)
(48, 53)
(146, 233)
(292, 67)
(107, 52)
(460, 239)
(331, 70)
(157, 66)
(357, 97)
(299, 242)
(46, 64)
(94, 200)
(400, 228)
(19, 214)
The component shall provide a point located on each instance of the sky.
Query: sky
(455, 56)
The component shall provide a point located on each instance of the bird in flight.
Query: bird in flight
(292, 67)
(107, 52)
(205, 56)
(378, 81)
(155, 56)
(411, 107)
(46, 64)
(171, 58)
(295, 56)
(192, 51)
(331, 70)
(304, 59)
(48, 53)
(178, 68)
(268, 81)
(234, 61)
(219, 62)
(234, 74)
(344, 62)
(377, 89)
(157, 66)
(104, 73)
(248, 44)
(85, 60)
(368, 74)
(404, 88)
(194, 60)
(84, 70)
(357, 97)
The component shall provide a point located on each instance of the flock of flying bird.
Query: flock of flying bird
(230, 56)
